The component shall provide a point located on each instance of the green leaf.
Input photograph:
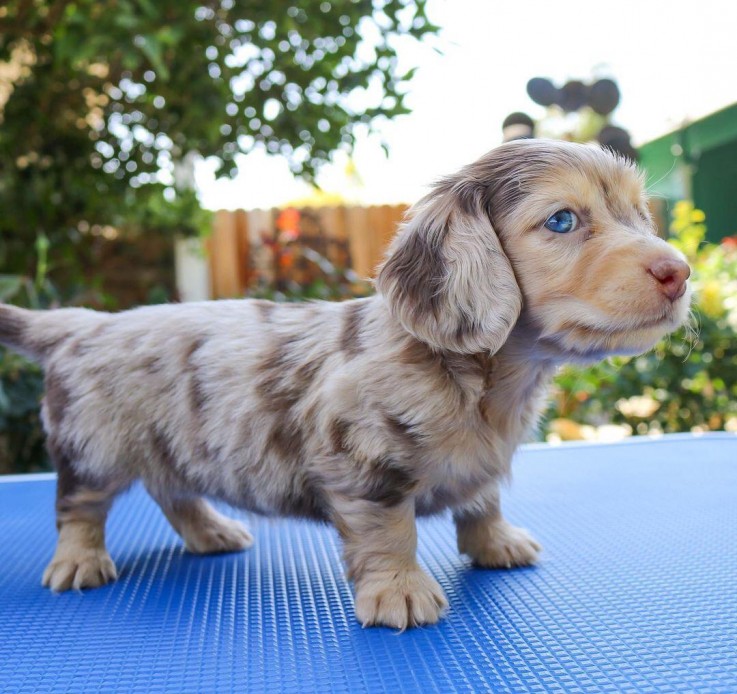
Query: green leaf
(151, 48)
(10, 285)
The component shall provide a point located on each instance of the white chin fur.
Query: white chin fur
(591, 343)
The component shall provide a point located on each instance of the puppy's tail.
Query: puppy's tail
(36, 334)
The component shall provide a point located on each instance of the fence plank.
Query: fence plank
(395, 215)
(359, 236)
(333, 220)
(260, 229)
(222, 247)
(243, 250)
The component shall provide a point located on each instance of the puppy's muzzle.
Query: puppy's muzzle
(671, 275)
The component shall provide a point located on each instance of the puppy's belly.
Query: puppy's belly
(264, 487)
(457, 493)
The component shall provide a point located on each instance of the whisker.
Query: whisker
(691, 331)
(663, 177)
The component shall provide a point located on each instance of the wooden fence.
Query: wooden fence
(253, 247)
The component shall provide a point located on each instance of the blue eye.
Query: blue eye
(562, 222)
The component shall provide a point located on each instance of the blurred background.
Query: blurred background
(178, 150)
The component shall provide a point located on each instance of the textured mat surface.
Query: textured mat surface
(637, 591)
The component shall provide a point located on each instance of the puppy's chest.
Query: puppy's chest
(475, 448)
(466, 458)
(500, 398)
(513, 396)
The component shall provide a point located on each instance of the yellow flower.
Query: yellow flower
(697, 216)
(710, 299)
(682, 207)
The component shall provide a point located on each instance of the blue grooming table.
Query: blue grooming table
(636, 591)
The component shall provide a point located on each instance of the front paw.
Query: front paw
(83, 568)
(504, 546)
(399, 599)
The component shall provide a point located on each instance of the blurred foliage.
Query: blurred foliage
(21, 436)
(105, 106)
(689, 381)
(21, 381)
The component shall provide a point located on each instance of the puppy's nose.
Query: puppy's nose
(671, 274)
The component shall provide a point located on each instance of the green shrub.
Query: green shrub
(21, 437)
(21, 381)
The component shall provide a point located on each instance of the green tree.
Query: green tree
(98, 98)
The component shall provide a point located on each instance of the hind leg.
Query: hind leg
(81, 559)
(203, 529)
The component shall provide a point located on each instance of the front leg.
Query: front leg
(380, 543)
(488, 539)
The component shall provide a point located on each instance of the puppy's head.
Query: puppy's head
(559, 233)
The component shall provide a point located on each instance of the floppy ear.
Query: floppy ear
(446, 277)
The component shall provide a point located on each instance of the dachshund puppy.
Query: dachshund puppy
(366, 413)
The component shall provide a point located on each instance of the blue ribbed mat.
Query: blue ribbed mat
(637, 591)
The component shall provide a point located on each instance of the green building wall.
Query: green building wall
(698, 162)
